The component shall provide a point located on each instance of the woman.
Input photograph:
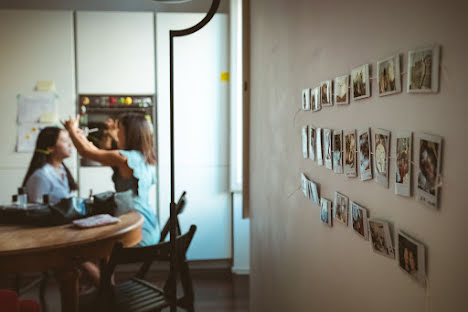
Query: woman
(47, 174)
(133, 164)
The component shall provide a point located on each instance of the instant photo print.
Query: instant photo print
(360, 82)
(314, 193)
(327, 148)
(381, 239)
(423, 70)
(350, 153)
(315, 99)
(403, 147)
(325, 211)
(388, 73)
(365, 164)
(337, 151)
(311, 142)
(359, 220)
(305, 145)
(304, 185)
(429, 163)
(326, 93)
(381, 156)
(305, 99)
(341, 94)
(340, 208)
(318, 146)
(412, 257)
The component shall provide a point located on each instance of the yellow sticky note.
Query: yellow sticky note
(225, 76)
(45, 85)
(48, 117)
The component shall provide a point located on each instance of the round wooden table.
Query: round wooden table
(63, 248)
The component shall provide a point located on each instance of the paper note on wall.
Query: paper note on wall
(27, 135)
(31, 108)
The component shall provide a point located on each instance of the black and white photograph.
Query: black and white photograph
(412, 257)
(381, 156)
(388, 74)
(326, 93)
(429, 163)
(359, 220)
(340, 208)
(423, 70)
(341, 90)
(311, 142)
(360, 83)
(381, 239)
(350, 153)
(318, 146)
(403, 146)
(305, 99)
(337, 147)
(365, 164)
(325, 211)
(305, 142)
(315, 103)
(327, 148)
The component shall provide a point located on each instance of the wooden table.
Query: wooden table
(62, 248)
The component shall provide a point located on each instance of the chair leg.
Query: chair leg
(42, 291)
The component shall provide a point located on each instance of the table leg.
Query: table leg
(68, 279)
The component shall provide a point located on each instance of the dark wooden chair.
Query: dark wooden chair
(137, 294)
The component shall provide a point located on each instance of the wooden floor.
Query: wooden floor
(214, 292)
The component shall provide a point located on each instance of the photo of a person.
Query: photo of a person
(364, 156)
(380, 238)
(315, 100)
(388, 73)
(325, 211)
(311, 142)
(327, 141)
(337, 151)
(428, 166)
(306, 99)
(381, 154)
(408, 255)
(325, 93)
(360, 82)
(350, 150)
(358, 220)
(402, 161)
(340, 208)
(342, 90)
(423, 70)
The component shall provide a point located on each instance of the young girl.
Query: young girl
(133, 164)
(47, 174)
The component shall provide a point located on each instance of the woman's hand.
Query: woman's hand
(71, 124)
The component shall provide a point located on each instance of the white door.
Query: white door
(201, 129)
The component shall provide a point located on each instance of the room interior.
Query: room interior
(295, 262)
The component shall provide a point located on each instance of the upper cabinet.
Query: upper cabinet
(115, 52)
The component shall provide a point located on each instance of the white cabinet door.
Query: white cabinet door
(115, 52)
(201, 130)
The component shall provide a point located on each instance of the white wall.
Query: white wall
(298, 263)
(35, 46)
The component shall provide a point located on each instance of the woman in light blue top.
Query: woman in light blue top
(47, 174)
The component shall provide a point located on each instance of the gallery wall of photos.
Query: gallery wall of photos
(365, 153)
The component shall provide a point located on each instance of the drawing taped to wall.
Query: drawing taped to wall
(337, 151)
(403, 163)
(350, 162)
(359, 220)
(365, 167)
(381, 155)
(340, 208)
(360, 82)
(341, 90)
(429, 163)
(326, 93)
(423, 70)
(327, 148)
(412, 257)
(381, 240)
(305, 99)
(388, 73)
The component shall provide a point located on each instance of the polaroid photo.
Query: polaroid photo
(305, 142)
(359, 220)
(341, 93)
(325, 211)
(314, 193)
(315, 99)
(340, 208)
(327, 148)
(429, 163)
(326, 93)
(381, 239)
(350, 152)
(412, 257)
(423, 70)
(304, 185)
(388, 73)
(337, 151)
(365, 167)
(318, 146)
(305, 99)
(381, 156)
(360, 82)
(311, 142)
(403, 146)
